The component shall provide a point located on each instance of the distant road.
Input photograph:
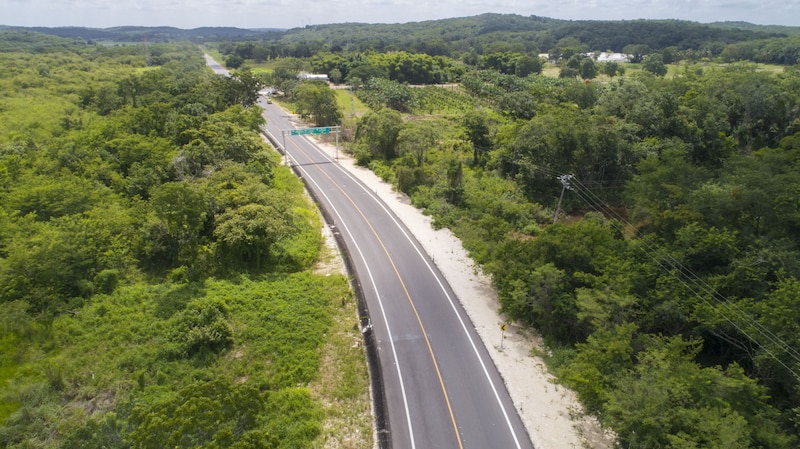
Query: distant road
(218, 69)
(442, 389)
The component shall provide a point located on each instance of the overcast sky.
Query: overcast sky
(296, 13)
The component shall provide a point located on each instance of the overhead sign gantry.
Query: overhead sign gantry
(312, 131)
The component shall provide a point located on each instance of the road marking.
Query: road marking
(343, 224)
(405, 290)
(444, 290)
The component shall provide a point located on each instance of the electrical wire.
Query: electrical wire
(728, 310)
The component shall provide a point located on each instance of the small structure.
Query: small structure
(612, 57)
(303, 76)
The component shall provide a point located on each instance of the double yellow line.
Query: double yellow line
(405, 290)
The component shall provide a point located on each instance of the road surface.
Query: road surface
(441, 388)
(218, 69)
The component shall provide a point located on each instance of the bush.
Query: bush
(201, 327)
(106, 281)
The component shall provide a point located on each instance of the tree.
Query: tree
(610, 69)
(379, 92)
(654, 63)
(286, 69)
(568, 72)
(335, 76)
(535, 297)
(248, 232)
(181, 208)
(362, 73)
(317, 101)
(201, 328)
(234, 61)
(520, 105)
(476, 126)
(598, 362)
(454, 190)
(416, 140)
(668, 400)
(526, 65)
(588, 69)
(240, 88)
(637, 52)
(658, 194)
(379, 131)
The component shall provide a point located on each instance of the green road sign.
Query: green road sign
(301, 131)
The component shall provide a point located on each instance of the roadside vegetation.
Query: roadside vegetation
(157, 283)
(640, 215)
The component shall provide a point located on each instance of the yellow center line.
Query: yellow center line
(408, 296)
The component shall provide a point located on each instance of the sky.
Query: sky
(297, 13)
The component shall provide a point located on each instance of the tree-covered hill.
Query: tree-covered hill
(781, 29)
(138, 34)
(451, 36)
(532, 34)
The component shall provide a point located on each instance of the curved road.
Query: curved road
(441, 388)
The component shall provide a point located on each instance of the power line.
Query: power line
(685, 275)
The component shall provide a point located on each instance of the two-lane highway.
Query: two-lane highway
(441, 388)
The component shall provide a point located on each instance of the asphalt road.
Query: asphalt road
(218, 69)
(441, 388)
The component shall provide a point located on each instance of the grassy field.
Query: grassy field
(673, 70)
(351, 106)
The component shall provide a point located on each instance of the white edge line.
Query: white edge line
(441, 285)
(377, 293)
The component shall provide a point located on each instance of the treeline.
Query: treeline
(154, 263)
(490, 33)
(768, 51)
(140, 34)
(466, 37)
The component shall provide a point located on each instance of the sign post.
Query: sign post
(502, 335)
(311, 131)
(304, 131)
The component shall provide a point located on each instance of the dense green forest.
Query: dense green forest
(157, 283)
(140, 34)
(470, 37)
(465, 38)
(642, 216)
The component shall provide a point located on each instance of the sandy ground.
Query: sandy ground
(551, 413)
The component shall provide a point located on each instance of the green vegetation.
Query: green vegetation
(156, 263)
(642, 216)
(666, 287)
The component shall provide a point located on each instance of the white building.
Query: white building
(312, 77)
(610, 57)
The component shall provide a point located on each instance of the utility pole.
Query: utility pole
(564, 187)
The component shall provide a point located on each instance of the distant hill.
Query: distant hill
(153, 34)
(502, 32)
(497, 32)
(791, 31)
